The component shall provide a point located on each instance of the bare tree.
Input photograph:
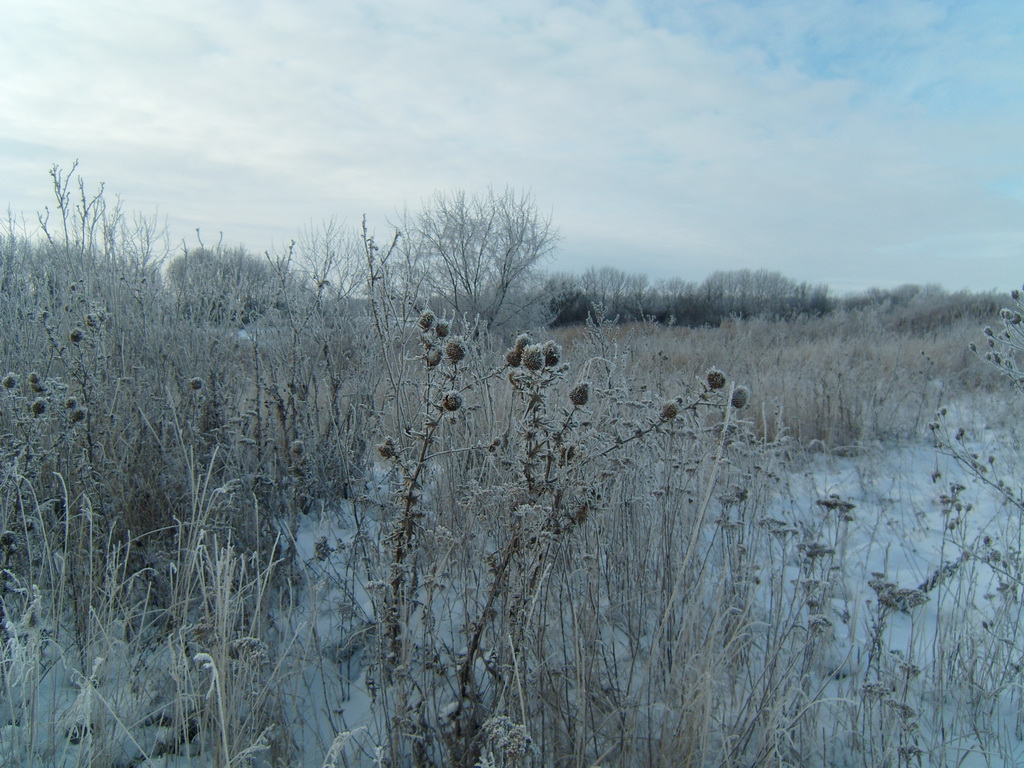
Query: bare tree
(622, 295)
(222, 284)
(478, 253)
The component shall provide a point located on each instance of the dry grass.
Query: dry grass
(840, 380)
(339, 539)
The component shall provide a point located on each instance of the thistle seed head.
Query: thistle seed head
(35, 382)
(38, 406)
(455, 350)
(740, 397)
(297, 448)
(522, 340)
(715, 379)
(386, 449)
(10, 381)
(580, 394)
(451, 401)
(669, 410)
(426, 320)
(533, 357)
(552, 354)
(514, 357)
(75, 335)
(78, 414)
(441, 328)
(432, 357)
(196, 383)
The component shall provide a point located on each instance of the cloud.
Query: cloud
(672, 138)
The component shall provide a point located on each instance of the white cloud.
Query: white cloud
(671, 138)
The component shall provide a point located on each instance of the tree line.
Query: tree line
(626, 297)
(479, 259)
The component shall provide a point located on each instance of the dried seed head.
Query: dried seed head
(910, 753)
(818, 624)
(533, 357)
(426, 320)
(297, 449)
(78, 414)
(514, 357)
(509, 738)
(196, 383)
(813, 550)
(250, 650)
(522, 340)
(451, 401)
(432, 357)
(10, 381)
(669, 410)
(321, 549)
(35, 382)
(580, 394)
(386, 449)
(835, 503)
(441, 328)
(75, 335)
(71, 403)
(875, 690)
(552, 354)
(715, 378)
(455, 350)
(740, 397)
(38, 406)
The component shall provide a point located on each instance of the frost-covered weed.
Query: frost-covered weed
(231, 531)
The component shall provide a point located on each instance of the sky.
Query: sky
(856, 143)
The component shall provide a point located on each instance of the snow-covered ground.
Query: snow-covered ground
(923, 653)
(906, 571)
(926, 649)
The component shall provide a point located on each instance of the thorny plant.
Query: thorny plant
(535, 483)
